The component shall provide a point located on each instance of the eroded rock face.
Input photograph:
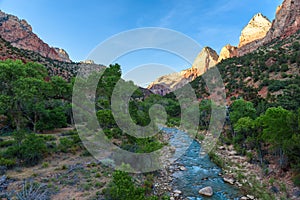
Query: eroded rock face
(227, 51)
(62, 54)
(19, 34)
(286, 23)
(257, 28)
(206, 59)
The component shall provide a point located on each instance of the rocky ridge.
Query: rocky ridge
(206, 59)
(19, 33)
(258, 32)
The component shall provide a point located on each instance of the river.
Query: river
(200, 171)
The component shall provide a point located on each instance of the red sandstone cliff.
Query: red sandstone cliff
(19, 34)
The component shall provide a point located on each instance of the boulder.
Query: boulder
(177, 192)
(207, 191)
(229, 180)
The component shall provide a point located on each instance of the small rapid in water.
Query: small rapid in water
(200, 171)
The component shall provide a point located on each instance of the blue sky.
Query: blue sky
(79, 26)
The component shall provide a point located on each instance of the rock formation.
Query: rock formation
(286, 23)
(227, 51)
(62, 54)
(257, 28)
(19, 34)
(206, 59)
(258, 32)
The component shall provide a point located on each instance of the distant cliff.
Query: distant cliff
(19, 34)
(206, 59)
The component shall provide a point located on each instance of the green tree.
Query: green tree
(277, 130)
(27, 95)
(241, 108)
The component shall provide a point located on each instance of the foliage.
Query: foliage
(241, 108)
(7, 143)
(71, 143)
(7, 162)
(28, 99)
(29, 151)
(123, 187)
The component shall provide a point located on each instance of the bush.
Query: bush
(7, 143)
(65, 144)
(48, 137)
(32, 149)
(122, 187)
(71, 143)
(296, 180)
(216, 159)
(29, 152)
(276, 85)
(7, 162)
(284, 68)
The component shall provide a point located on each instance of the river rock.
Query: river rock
(177, 192)
(221, 148)
(182, 168)
(229, 180)
(239, 184)
(232, 153)
(2, 179)
(250, 196)
(244, 198)
(207, 191)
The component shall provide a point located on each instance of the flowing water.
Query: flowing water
(200, 171)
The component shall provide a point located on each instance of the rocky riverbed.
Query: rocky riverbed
(192, 176)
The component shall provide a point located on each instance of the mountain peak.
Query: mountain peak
(206, 59)
(257, 28)
(227, 51)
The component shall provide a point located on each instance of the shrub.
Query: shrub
(216, 159)
(32, 149)
(284, 68)
(296, 180)
(7, 162)
(122, 187)
(65, 144)
(45, 165)
(29, 152)
(7, 143)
